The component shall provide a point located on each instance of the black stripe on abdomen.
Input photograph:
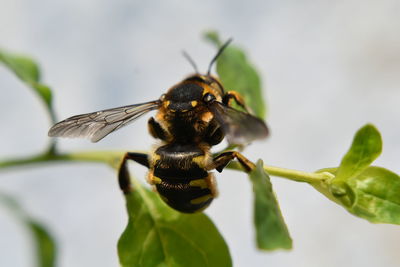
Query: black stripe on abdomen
(174, 174)
(184, 197)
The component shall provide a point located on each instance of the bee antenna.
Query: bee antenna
(222, 48)
(191, 61)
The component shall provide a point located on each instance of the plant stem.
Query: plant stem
(113, 158)
(299, 176)
(294, 175)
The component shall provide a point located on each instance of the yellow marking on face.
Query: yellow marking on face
(199, 183)
(166, 105)
(207, 116)
(194, 103)
(200, 200)
(206, 89)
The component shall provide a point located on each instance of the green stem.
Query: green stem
(294, 175)
(299, 176)
(113, 158)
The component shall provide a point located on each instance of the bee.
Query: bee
(192, 116)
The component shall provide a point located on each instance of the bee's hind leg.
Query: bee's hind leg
(220, 162)
(123, 172)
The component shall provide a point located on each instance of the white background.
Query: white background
(328, 68)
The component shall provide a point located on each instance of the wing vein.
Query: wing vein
(97, 125)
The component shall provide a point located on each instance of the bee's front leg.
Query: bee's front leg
(156, 130)
(233, 95)
(220, 162)
(123, 172)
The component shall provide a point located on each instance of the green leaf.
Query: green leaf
(238, 74)
(157, 235)
(24, 67)
(366, 191)
(27, 71)
(366, 147)
(377, 197)
(373, 194)
(271, 230)
(45, 246)
(44, 92)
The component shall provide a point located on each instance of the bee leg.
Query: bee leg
(156, 130)
(232, 95)
(220, 162)
(123, 172)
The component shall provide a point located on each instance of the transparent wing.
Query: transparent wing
(239, 127)
(97, 125)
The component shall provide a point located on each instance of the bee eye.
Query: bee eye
(208, 98)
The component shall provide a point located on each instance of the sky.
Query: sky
(328, 68)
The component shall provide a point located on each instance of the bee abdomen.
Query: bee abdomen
(186, 196)
(181, 178)
(184, 190)
(172, 174)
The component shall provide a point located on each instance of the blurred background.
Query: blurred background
(328, 68)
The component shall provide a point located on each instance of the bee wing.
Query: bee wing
(97, 125)
(239, 127)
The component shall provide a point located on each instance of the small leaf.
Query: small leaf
(366, 147)
(28, 71)
(24, 67)
(44, 243)
(271, 230)
(45, 92)
(372, 194)
(156, 235)
(238, 74)
(366, 191)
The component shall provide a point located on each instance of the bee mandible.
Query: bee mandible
(191, 117)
